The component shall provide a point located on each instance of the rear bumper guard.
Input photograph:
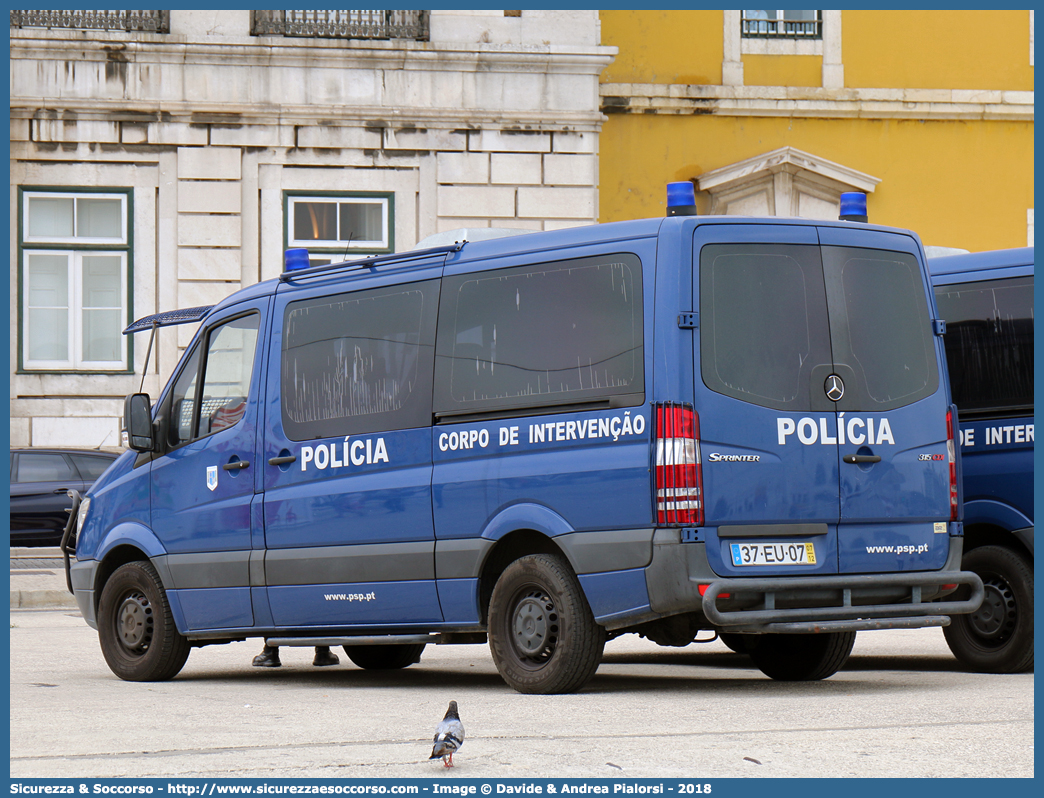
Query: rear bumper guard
(795, 620)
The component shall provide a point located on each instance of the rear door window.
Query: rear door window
(880, 327)
(989, 344)
(776, 320)
(763, 322)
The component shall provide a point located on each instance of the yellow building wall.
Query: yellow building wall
(963, 184)
(956, 184)
(937, 49)
(782, 70)
(664, 46)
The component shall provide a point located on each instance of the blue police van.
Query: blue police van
(986, 299)
(661, 426)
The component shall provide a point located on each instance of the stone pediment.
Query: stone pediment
(783, 182)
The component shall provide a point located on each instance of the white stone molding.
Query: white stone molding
(833, 66)
(783, 182)
(813, 102)
(732, 62)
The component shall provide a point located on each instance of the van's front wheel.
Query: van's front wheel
(802, 657)
(998, 636)
(137, 633)
(542, 634)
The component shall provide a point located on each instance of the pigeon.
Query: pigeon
(449, 736)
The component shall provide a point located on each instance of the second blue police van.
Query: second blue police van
(658, 427)
(986, 299)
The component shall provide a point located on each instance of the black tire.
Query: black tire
(741, 644)
(997, 637)
(542, 634)
(385, 658)
(803, 657)
(135, 627)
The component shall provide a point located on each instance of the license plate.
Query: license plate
(773, 554)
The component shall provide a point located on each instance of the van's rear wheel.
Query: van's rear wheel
(802, 658)
(737, 642)
(542, 634)
(385, 658)
(997, 637)
(137, 633)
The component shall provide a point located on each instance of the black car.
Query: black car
(39, 481)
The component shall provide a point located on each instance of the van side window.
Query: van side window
(989, 344)
(554, 333)
(763, 322)
(226, 382)
(359, 362)
(183, 402)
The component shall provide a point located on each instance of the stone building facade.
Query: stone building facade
(168, 159)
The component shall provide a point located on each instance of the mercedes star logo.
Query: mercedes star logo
(834, 388)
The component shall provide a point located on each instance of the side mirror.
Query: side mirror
(137, 421)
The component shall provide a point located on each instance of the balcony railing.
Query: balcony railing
(150, 20)
(756, 28)
(372, 24)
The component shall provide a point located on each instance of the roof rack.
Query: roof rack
(169, 318)
(373, 260)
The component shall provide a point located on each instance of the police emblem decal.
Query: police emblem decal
(211, 477)
(834, 388)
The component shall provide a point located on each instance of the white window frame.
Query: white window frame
(74, 249)
(331, 246)
(27, 196)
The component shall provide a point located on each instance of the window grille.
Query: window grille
(364, 24)
(782, 24)
(149, 20)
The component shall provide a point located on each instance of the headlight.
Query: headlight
(81, 516)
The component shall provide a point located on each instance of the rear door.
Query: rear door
(891, 411)
(768, 432)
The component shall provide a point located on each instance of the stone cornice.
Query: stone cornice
(240, 115)
(277, 51)
(927, 104)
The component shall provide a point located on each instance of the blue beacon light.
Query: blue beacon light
(681, 199)
(853, 207)
(296, 259)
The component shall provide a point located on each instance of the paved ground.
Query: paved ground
(901, 708)
(38, 579)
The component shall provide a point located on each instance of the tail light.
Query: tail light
(679, 474)
(951, 455)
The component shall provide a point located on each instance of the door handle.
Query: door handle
(862, 458)
(290, 458)
(60, 490)
(238, 464)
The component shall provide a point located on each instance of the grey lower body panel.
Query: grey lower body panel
(680, 580)
(81, 576)
(1025, 537)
